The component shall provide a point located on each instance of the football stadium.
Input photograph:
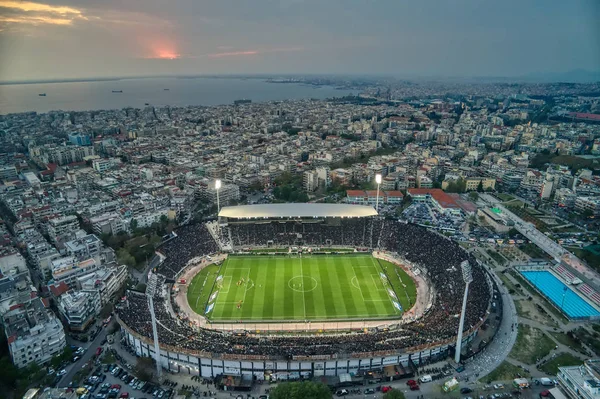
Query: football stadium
(280, 291)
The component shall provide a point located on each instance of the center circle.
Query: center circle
(302, 283)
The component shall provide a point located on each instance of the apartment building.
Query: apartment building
(581, 382)
(106, 281)
(62, 228)
(69, 268)
(472, 183)
(33, 333)
(592, 204)
(108, 223)
(86, 247)
(78, 309)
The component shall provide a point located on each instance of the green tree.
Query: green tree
(125, 257)
(480, 187)
(133, 225)
(473, 196)
(301, 390)
(394, 394)
(144, 368)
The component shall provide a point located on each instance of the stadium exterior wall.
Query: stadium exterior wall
(180, 361)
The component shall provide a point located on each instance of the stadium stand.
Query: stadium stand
(436, 256)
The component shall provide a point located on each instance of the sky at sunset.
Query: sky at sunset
(98, 38)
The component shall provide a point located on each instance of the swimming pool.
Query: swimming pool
(573, 304)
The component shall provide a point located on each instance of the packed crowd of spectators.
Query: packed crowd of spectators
(352, 232)
(191, 241)
(436, 256)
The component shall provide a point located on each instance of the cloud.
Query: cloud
(31, 13)
(253, 52)
(39, 7)
(233, 54)
(36, 20)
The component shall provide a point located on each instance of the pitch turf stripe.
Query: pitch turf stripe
(324, 308)
(311, 297)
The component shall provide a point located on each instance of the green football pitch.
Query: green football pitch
(288, 288)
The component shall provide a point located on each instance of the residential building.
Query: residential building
(472, 183)
(33, 333)
(565, 198)
(591, 204)
(86, 247)
(69, 268)
(12, 262)
(310, 180)
(581, 382)
(8, 173)
(106, 281)
(62, 228)
(227, 192)
(108, 223)
(81, 139)
(78, 309)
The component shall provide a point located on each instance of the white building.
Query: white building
(12, 262)
(79, 308)
(581, 382)
(33, 333)
(310, 180)
(62, 227)
(69, 268)
(106, 281)
(85, 247)
(108, 223)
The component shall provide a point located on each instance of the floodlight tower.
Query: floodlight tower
(468, 278)
(218, 187)
(378, 181)
(150, 292)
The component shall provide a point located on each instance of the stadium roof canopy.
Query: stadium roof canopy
(296, 210)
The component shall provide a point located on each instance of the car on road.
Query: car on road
(61, 372)
(342, 392)
(466, 390)
(369, 390)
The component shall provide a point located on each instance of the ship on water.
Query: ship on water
(117, 91)
(42, 94)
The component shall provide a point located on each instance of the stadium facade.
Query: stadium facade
(206, 352)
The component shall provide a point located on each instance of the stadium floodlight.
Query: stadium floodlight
(467, 275)
(378, 181)
(151, 288)
(218, 187)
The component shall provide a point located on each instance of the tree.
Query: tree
(144, 368)
(394, 394)
(480, 187)
(473, 196)
(301, 390)
(133, 225)
(125, 257)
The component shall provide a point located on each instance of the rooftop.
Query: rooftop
(299, 210)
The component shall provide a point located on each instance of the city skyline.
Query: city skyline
(65, 39)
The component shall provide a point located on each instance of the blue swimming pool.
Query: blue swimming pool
(573, 304)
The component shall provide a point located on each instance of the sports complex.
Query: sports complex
(289, 290)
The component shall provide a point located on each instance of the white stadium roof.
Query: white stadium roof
(296, 210)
